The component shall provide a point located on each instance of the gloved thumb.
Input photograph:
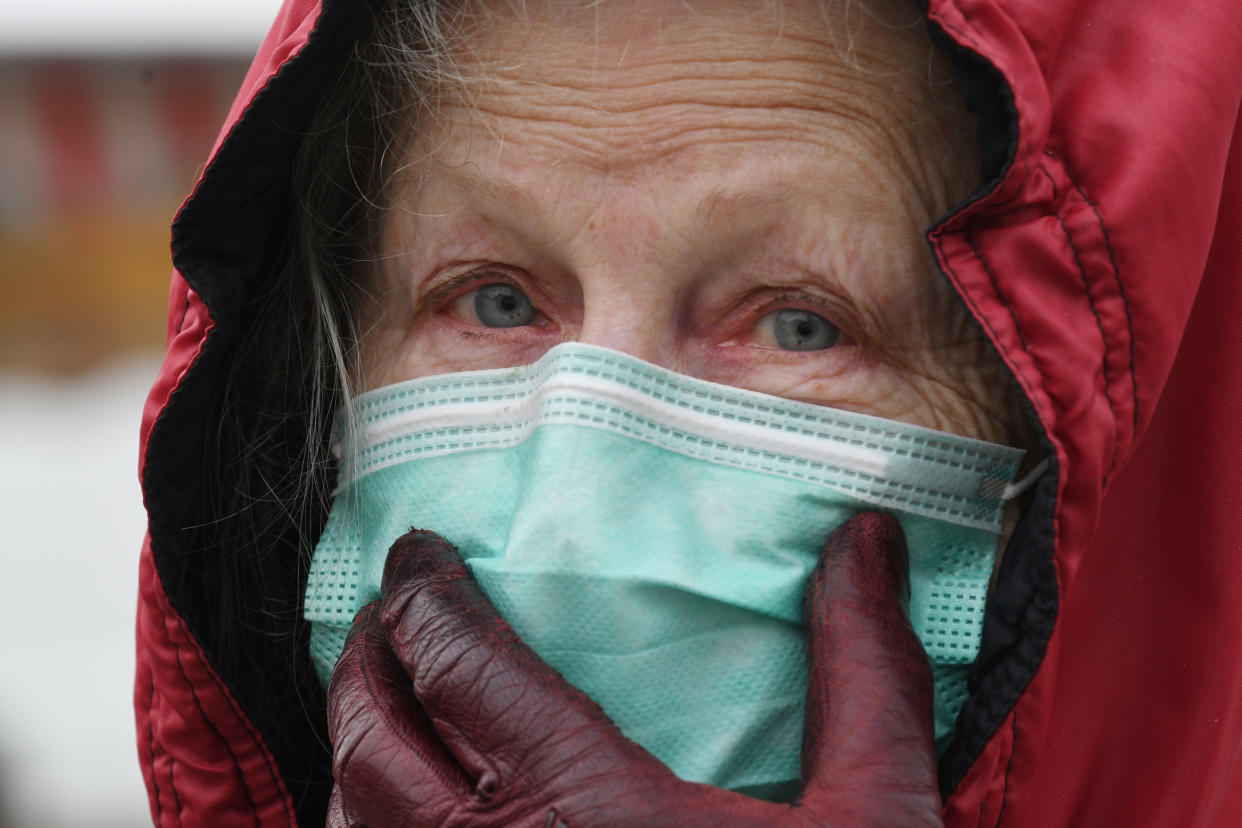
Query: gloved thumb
(868, 725)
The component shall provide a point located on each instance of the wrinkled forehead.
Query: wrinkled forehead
(619, 84)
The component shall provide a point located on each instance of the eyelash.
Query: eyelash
(451, 289)
(793, 301)
(441, 299)
(754, 310)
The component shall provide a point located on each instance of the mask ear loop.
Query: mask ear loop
(1014, 489)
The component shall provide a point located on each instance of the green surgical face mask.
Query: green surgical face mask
(650, 536)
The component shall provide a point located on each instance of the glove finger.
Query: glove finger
(339, 815)
(511, 720)
(868, 725)
(389, 765)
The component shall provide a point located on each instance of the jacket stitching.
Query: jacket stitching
(1099, 323)
(987, 268)
(967, 36)
(1013, 749)
(1121, 288)
(1022, 380)
(155, 782)
(1027, 390)
(267, 761)
(172, 783)
(254, 812)
(185, 310)
(976, 312)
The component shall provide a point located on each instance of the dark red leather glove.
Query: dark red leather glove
(439, 715)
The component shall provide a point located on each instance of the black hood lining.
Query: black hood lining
(215, 237)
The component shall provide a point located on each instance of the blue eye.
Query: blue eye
(800, 330)
(503, 306)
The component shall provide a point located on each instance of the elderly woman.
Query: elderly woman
(629, 308)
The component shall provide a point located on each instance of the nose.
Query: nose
(633, 313)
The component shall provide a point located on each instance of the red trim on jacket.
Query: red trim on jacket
(203, 761)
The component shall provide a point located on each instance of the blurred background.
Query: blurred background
(107, 112)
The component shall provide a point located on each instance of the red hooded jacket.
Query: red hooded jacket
(1103, 258)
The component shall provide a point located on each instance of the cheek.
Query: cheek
(433, 346)
(814, 377)
(962, 390)
(844, 377)
(943, 396)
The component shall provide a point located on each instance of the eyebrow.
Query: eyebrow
(503, 194)
(721, 209)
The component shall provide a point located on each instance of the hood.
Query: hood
(1100, 258)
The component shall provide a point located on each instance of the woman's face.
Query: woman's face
(734, 190)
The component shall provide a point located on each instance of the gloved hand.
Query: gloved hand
(439, 715)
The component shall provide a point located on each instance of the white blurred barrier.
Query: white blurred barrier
(130, 27)
(71, 523)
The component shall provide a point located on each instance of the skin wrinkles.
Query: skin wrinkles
(666, 109)
(659, 178)
(894, 84)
